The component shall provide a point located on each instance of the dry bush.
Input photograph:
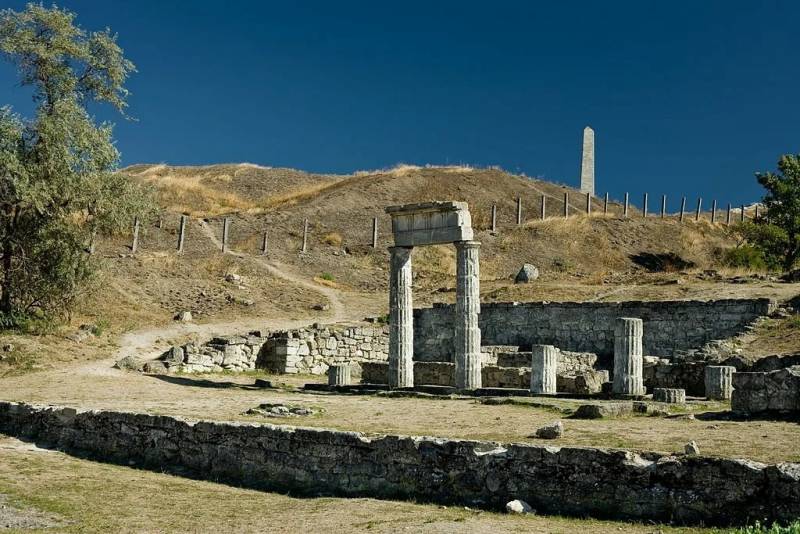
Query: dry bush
(333, 238)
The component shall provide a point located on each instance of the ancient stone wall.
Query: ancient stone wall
(556, 480)
(773, 391)
(670, 327)
(312, 350)
(305, 350)
(684, 375)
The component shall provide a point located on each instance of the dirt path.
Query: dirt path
(149, 343)
(280, 270)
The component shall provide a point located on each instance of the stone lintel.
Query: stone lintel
(430, 223)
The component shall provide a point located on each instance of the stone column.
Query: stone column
(401, 320)
(468, 307)
(339, 375)
(719, 382)
(544, 362)
(628, 357)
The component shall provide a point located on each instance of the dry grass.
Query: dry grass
(96, 497)
(189, 195)
(333, 238)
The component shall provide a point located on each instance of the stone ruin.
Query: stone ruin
(433, 223)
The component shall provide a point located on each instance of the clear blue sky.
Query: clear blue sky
(686, 97)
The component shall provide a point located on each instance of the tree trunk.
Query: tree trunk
(5, 298)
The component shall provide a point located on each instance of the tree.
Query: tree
(58, 185)
(778, 234)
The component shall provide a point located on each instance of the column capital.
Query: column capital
(467, 244)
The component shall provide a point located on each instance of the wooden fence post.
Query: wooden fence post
(699, 207)
(182, 233)
(226, 222)
(683, 208)
(625, 207)
(663, 206)
(605, 204)
(264, 244)
(544, 206)
(374, 232)
(519, 211)
(713, 211)
(494, 218)
(728, 218)
(566, 204)
(588, 203)
(644, 206)
(305, 235)
(135, 244)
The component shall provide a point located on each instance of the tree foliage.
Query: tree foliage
(58, 185)
(777, 234)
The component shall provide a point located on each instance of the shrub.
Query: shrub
(745, 256)
(327, 276)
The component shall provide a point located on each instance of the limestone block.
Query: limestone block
(669, 395)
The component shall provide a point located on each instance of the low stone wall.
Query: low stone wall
(670, 327)
(686, 375)
(312, 350)
(236, 353)
(773, 391)
(569, 363)
(577, 481)
(492, 376)
(308, 350)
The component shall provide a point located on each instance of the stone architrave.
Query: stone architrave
(587, 162)
(468, 307)
(544, 364)
(628, 357)
(401, 326)
(719, 382)
(430, 223)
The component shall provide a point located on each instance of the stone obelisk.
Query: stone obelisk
(587, 162)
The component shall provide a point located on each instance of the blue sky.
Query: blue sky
(686, 97)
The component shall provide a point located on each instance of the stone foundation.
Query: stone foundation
(492, 376)
(579, 481)
(774, 391)
(670, 327)
(308, 350)
(313, 350)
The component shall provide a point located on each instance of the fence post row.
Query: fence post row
(663, 206)
(683, 208)
(494, 218)
(699, 205)
(519, 211)
(544, 206)
(182, 233)
(588, 203)
(625, 208)
(135, 244)
(713, 211)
